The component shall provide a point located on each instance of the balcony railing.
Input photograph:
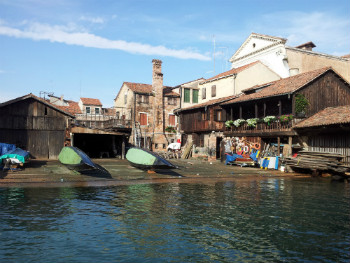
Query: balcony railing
(264, 127)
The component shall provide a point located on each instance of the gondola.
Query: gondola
(147, 160)
(76, 159)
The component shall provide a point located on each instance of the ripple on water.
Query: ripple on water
(257, 221)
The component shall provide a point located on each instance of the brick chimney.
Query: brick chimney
(158, 107)
(307, 46)
(157, 77)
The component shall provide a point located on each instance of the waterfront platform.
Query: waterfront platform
(51, 173)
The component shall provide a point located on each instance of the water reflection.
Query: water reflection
(272, 220)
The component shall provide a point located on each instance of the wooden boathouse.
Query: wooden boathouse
(33, 124)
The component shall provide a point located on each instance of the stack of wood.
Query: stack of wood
(318, 161)
(187, 151)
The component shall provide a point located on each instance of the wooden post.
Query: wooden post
(256, 110)
(278, 146)
(264, 109)
(123, 148)
(240, 112)
(280, 107)
(231, 113)
(290, 140)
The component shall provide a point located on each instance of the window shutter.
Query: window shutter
(215, 115)
(204, 93)
(143, 118)
(195, 96)
(172, 120)
(208, 114)
(213, 90)
(187, 95)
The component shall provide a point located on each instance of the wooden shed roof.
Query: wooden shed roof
(328, 116)
(32, 96)
(280, 87)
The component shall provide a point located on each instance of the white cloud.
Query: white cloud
(71, 36)
(328, 31)
(94, 20)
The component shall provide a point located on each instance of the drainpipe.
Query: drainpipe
(234, 83)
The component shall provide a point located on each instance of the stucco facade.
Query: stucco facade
(233, 82)
(286, 61)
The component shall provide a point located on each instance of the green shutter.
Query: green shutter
(195, 96)
(187, 95)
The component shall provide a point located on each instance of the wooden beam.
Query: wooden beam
(280, 107)
(278, 146)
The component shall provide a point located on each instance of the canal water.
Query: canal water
(269, 220)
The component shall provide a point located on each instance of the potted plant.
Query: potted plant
(238, 122)
(229, 123)
(286, 118)
(301, 105)
(269, 119)
(170, 129)
(252, 122)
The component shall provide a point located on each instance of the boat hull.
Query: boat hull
(76, 159)
(147, 160)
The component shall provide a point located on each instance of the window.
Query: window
(218, 115)
(142, 98)
(97, 110)
(45, 111)
(213, 90)
(117, 114)
(125, 97)
(206, 115)
(143, 119)
(87, 109)
(187, 95)
(204, 93)
(171, 101)
(172, 120)
(194, 96)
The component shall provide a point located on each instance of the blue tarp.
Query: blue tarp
(17, 153)
(232, 158)
(5, 147)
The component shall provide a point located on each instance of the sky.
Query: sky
(88, 48)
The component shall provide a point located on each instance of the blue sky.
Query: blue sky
(88, 48)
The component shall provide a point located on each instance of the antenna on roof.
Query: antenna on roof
(214, 52)
(42, 94)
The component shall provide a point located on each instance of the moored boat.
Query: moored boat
(76, 159)
(145, 159)
(14, 158)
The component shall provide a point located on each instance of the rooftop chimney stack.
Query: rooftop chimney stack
(307, 46)
(157, 78)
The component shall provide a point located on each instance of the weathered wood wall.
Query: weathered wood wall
(200, 120)
(327, 91)
(34, 126)
(333, 143)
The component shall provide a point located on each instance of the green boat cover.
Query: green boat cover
(138, 156)
(69, 156)
(19, 154)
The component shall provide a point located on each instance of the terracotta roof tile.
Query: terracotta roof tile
(89, 101)
(282, 86)
(147, 89)
(231, 72)
(73, 107)
(109, 111)
(207, 103)
(328, 116)
(139, 87)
